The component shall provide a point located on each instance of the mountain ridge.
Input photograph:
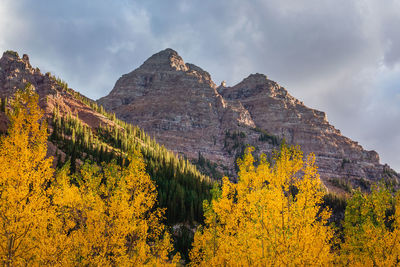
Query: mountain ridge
(181, 106)
(80, 130)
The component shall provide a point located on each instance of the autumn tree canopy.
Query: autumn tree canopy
(372, 229)
(111, 216)
(104, 215)
(107, 215)
(27, 218)
(272, 216)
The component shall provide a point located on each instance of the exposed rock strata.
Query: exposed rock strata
(16, 72)
(181, 106)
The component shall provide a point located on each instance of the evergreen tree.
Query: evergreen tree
(3, 104)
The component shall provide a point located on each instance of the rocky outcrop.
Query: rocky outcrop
(180, 105)
(16, 73)
(81, 131)
(272, 108)
(183, 109)
(176, 102)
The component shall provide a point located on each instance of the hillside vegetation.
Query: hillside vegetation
(107, 213)
(181, 187)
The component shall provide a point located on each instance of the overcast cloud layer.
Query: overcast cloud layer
(339, 56)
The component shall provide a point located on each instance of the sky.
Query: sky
(338, 56)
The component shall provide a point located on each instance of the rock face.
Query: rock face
(16, 72)
(176, 102)
(183, 109)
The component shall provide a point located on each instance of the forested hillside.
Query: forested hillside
(81, 130)
(181, 187)
(106, 214)
(95, 216)
(180, 104)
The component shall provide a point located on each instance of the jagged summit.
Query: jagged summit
(180, 105)
(167, 59)
(156, 76)
(256, 77)
(257, 80)
(13, 70)
(11, 53)
(254, 84)
(80, 130)
(10, 56)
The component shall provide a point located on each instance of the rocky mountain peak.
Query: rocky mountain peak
(11, 59)
(165, 60)
(15, 72)
(257, 80)
(164, 73)
(256, 77)
(253, 85)
(181, 106)
(11, 54)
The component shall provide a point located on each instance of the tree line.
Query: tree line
(96, 216)
(181, 187)
(107, 214)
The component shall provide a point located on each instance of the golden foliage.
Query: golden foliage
(27, 221)
(372, 229)
(111, 217)
(107, 215)
(272, 216)
(101, 216)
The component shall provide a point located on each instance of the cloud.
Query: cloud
(338, 56)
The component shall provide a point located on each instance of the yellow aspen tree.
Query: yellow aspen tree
(371, 229)
(394, 247)
(112, 218)
(272, 216)
(28, 224)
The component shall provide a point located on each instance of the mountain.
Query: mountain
(81, 130)
(180, 105)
